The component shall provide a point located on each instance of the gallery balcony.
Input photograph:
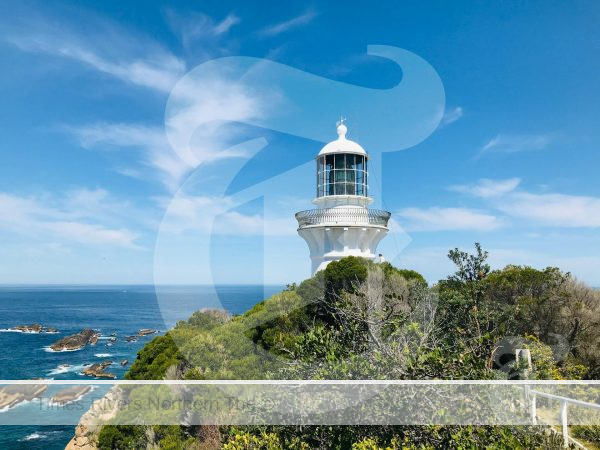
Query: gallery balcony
(343, 217)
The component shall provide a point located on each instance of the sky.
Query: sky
(172, 142)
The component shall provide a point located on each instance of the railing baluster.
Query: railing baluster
(533, 409)
(563, 421)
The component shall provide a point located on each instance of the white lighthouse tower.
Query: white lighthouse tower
(343, 225)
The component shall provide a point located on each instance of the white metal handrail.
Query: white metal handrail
(532, 395)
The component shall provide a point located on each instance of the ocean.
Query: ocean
(118, 310)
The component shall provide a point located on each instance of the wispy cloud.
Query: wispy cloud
(488, 188)
(556, 210)
(279, 28)
(67, 218)
(87, 233)
(140, 60)
(441, 219)
(159, 160)
(513, 143)
(110, 48)
(225, 25)
(451, 116)
(546, 209)
(156, 153)
(199, 128)
(197, 27)
(217, 215)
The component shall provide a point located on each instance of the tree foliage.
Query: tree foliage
(357, 319)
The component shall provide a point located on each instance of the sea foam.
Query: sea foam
(49, 350)
(66, 368)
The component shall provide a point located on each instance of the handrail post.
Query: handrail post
(564, 423)
(533, 409)
(531, 403)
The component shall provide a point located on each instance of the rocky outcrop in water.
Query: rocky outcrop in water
(33, 328)
(124, 362)
(70, 394)
(90, 424)
(18, 393)
(76, 341)
(146, 331)
(98, 370)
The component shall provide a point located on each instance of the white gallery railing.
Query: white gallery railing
(343, 216)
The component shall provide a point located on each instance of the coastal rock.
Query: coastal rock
(98, 370)
(131, 338)
(13, 395)
(76, 341)
(124, 362)
(90, 424)
(32, 328)
(146, 331)
(70, 394)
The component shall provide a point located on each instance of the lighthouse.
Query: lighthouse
(343, 224)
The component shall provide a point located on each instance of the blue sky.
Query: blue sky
(98, 185)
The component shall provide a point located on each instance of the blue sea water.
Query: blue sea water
(122, 310)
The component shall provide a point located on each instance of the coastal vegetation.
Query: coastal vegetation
(360, 320)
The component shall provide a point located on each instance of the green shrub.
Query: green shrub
(121, 437)
(264, 441)
(154, 359)
(590, 433)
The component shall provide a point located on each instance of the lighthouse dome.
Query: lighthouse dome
(342, 145)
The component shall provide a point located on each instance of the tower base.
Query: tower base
(332, 243)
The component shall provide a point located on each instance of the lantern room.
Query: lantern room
(342, 167)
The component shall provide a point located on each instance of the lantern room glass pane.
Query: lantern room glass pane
(350, 162)
(340, 161)
(329, 162)
(318, 182)
(360, 162)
